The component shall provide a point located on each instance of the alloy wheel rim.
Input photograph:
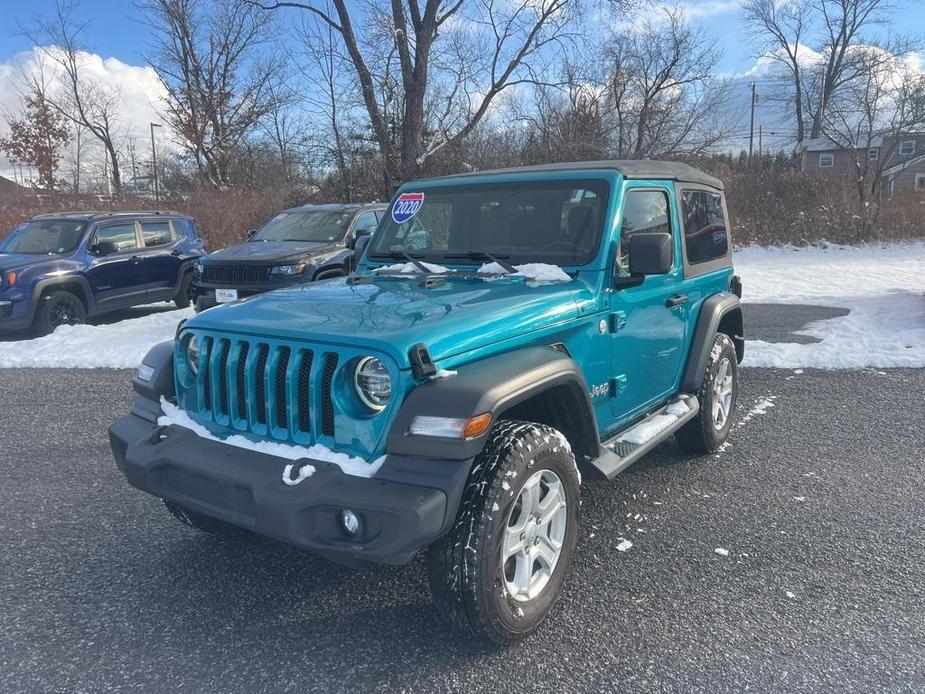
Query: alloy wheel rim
(722, 393)
(534, 535)
(63, 314)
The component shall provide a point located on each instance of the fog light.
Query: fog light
(350, 522)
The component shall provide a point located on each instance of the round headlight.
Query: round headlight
(373, 383)
(192, 354)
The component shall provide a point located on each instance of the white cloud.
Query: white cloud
(692, 10)
(140, 94)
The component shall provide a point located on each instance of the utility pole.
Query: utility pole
(157, 192)
(751, 127)
(760, 141)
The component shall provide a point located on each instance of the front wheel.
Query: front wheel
(184, 296)
(500, 569)
(717, 395)
(59, 308)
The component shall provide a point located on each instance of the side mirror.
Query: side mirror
(250, 233)
(359, 234)
(359, 245)
(650, 253)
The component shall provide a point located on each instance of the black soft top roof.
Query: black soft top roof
(639, 168)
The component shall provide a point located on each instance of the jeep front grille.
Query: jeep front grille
(234, 275)
(278, 391)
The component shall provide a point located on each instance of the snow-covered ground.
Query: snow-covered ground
(119, 345)
(882, 286)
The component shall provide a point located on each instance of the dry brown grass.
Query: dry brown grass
(767, 206)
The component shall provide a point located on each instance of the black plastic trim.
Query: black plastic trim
(161, 383)
(712, 311)
(493, 385)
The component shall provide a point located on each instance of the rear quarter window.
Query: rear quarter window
(706, 232)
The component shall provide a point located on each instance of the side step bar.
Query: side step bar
(619, 452)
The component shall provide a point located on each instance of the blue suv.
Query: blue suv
(60, 269)
(503, 329)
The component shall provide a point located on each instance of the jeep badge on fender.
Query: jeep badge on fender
(502, 331)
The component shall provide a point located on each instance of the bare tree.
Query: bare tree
(503, 40)
(219, 83)
(867, 116)
(329, 95)
(842, 25)
(661, 96)
(778, 29)
(84, 101)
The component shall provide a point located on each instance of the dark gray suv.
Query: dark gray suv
(302, 244)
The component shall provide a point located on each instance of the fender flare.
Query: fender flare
(720, 310)
(495, 385)
(159, 360)
(43, 285)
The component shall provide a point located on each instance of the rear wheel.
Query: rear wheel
(213, 526)
(717, 395)
(500, 569)
(59, 308)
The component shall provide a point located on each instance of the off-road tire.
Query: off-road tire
(57, 308)
(213, 526)
(465, 566)
(184, 296)
(701, 435)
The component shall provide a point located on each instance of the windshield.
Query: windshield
(45, 236)
(558, 223)
(308, 225)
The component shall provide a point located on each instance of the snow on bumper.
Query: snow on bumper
(408, 505)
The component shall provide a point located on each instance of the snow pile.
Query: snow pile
(648, 429)
(412, 269)
(882, 286)
(119, 345)
(537, 272)
(349, 464)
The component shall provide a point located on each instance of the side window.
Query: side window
(706, 236)
(116, 238)
(366, 222)
(643, 210)
(156, 233)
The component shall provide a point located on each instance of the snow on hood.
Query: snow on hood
(537, 272)
(412, 268)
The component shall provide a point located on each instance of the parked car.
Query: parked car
(503, 330)
(302, 244)
(60, 269)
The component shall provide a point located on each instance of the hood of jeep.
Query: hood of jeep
(391, 314)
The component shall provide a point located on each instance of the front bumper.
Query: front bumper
(407, 505)
(15, 314)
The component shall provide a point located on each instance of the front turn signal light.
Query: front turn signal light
(450, 427)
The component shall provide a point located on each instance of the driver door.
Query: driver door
(115, 272)
(650, 320)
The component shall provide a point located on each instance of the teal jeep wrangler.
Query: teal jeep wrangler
(503, 331)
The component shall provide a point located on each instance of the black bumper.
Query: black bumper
(407, 505)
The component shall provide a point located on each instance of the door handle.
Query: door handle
(176, 253)
(676, 300)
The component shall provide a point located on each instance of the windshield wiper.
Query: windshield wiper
(401, 255)
(482, 255)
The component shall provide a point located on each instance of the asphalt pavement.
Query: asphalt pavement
(818, 500)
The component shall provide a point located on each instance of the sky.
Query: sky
(117, 36)
(115, 29)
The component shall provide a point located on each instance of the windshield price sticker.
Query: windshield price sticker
(407, 205)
